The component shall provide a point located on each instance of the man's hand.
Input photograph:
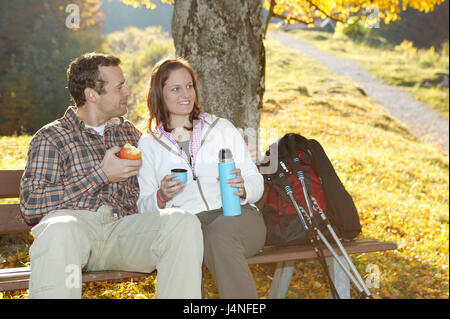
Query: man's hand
(116, 169)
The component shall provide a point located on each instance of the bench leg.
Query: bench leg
(281, 280)
(340, 279)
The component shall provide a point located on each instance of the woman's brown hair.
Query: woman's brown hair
(155, 100)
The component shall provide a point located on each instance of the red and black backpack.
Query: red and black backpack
(324, 188)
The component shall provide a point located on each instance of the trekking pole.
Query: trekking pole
(313, 238)
(361, 286)
(296, 165)
(346, 256)
(327, 244)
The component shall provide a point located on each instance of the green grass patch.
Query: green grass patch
(399, 184)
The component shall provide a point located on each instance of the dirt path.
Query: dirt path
(423, 121)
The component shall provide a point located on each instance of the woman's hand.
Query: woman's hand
(238, 182)
(169, 188)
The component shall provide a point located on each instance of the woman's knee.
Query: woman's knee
(221, 240)
(182, 220)
(227, 237)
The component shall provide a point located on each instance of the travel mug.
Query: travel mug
(182, 174)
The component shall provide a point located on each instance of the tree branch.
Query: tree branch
(323, 12)
(280, 16)
(269, 16)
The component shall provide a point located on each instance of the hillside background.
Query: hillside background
(31, 43)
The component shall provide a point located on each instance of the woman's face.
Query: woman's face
(179, 92)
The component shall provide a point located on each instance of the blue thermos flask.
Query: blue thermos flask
(231, 203)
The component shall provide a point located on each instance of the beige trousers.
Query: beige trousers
(69, 241)
(228, 241)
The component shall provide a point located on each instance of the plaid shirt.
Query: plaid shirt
(63, 169)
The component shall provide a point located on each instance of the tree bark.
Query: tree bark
(223, 41)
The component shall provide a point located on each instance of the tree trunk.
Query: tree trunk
(223, 41)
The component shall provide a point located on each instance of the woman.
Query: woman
(180, 136)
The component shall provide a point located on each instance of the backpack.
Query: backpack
(326, 191)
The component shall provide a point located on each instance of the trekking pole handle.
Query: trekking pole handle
(290, 193)
(305, 193)
(285, 185)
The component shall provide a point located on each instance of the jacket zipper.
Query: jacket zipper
(192, 166)
(200, 189)
(197, 180)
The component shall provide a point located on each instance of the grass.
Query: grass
(14, 151)
(399, 184)
(418, 71)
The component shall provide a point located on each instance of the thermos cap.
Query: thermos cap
(225, 155)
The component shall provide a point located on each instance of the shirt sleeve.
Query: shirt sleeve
(42, 187)
(147, 179)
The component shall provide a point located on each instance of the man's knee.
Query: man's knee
(56, 226)
(57, 231)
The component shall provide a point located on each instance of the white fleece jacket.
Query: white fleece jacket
(159, 156)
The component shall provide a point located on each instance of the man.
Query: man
(83, 196)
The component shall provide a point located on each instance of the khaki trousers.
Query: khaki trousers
(69, 241)
(228, 241)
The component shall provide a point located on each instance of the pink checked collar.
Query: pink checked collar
(194, 143)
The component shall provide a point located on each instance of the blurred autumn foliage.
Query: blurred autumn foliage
(306, 11)
(35, 48)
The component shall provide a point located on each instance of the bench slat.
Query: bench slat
(112, 274)
(10, 182)
(272, 255)
(7, 273)
(18, 278)
(11, 219)
(13, 278)
(14, 285)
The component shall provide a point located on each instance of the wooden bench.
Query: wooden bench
(285, 258)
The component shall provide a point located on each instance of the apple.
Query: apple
(129, 152)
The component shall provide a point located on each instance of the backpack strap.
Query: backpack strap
(307, 172)
(273, 181)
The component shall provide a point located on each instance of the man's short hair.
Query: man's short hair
(83, 72)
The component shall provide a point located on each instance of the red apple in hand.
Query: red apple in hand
(129, 152)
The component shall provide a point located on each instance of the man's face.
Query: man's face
(113, 102)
